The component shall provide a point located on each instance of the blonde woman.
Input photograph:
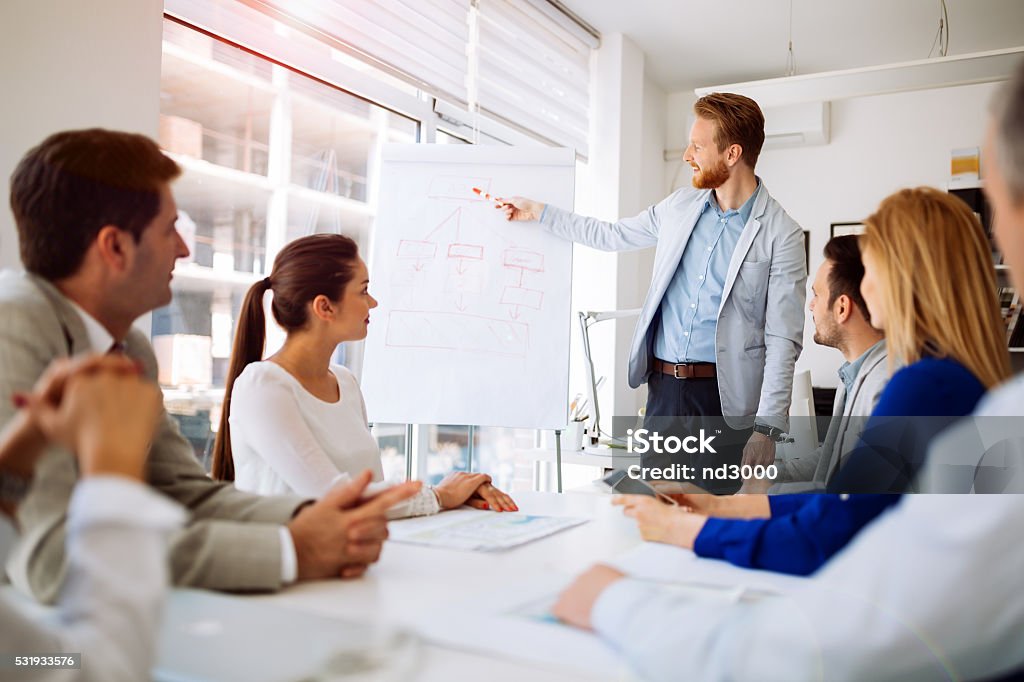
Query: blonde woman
(930, 285)
(928, 272)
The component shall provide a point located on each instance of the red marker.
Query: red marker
(485, 195)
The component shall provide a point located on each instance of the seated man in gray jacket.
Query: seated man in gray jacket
(96, 228)
(109, 612)
(841, 321)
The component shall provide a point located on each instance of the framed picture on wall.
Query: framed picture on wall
(840, 229)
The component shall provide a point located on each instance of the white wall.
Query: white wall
(878, 145)
(624, 176)
(678, 119)
(73, 65)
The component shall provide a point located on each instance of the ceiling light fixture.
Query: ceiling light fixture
(922, 74)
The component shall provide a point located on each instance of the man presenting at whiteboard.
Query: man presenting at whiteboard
(722, 324)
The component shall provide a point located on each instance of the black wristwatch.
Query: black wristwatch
(773, 432)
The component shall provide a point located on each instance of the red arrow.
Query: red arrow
(460, 266)
(459, 304)
(514, 312)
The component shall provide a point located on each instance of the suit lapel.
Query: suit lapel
(750, 231)
(834, 450)
(869, 364)
(674, 253)
(75, 335)
(835, 427)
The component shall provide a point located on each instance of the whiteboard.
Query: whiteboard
(474, 315)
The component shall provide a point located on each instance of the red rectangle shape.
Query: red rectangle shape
(473, 251)
(408, 248)
(522, 258)
(459, 332)
(528, 298)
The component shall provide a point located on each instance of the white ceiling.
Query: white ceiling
(695, 43)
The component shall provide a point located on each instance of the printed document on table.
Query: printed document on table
(472, 529)
(515, 623)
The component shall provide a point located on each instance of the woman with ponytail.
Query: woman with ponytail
(295, 423)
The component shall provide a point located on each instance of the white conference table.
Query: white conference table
(411, 580)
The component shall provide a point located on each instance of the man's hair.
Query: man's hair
(847, 271)
(78, 181)
(1008, 117)
(738, 120)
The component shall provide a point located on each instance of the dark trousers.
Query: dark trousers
(684, 407)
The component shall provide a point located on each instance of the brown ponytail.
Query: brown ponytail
(317, 265)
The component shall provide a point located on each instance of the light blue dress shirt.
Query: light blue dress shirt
(689, 308)
(849, 370)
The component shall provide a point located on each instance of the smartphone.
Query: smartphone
(622, 483)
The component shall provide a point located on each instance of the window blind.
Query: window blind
(523, 63)
(422, 41)
(533, 72)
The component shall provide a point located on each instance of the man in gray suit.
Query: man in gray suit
(722, 325)
(96, 226)
(841, 321)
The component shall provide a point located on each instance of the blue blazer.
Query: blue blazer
(804, 531)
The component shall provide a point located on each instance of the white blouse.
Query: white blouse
(286, 440)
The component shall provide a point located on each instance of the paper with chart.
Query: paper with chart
(470, 529)
(515, 623)
(474, 320)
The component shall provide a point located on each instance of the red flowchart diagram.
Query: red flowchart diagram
(464, 280)
(517, 295)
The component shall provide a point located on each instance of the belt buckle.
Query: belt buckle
(675, 370)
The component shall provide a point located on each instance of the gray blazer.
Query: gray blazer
(850, 413)
(761, 317)
(233, 539)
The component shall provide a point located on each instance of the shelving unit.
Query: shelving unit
(267, 156)
(971, 192)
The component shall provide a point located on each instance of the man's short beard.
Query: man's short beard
(830, 338)
(711, 178)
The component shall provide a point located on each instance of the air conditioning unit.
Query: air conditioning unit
(785, 125)
(796, 125)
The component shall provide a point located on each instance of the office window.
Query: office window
(275, 147)
(533, 70)
(443, 137)
(393, 442)
(495, 451)
(268, 155)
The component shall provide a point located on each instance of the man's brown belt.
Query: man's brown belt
(686, 370)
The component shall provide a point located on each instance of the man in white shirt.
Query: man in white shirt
(931, 590)
(96, 227)
(109, 611)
